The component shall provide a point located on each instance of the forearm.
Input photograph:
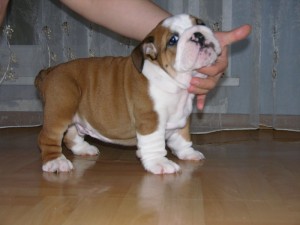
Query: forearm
(131, 18)
(3, 6)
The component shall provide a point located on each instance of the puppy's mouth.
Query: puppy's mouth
(207, 51)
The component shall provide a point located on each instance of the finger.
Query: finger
(200, 86)
(237, 34)
(201, 101)
(197, 90)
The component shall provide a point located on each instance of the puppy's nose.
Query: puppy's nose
(198, 38)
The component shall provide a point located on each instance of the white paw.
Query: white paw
(85, 149)
(190, 155)
(60, 164)
(138, 154)
(161, 166)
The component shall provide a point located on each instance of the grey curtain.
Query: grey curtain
(260, 86)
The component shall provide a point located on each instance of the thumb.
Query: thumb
(237, 34)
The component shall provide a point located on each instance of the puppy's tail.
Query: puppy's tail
(38, 82)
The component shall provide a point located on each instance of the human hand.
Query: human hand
(201, 86)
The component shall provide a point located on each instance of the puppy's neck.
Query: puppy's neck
(158, 77)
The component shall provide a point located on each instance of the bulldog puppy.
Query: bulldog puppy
(137, 100)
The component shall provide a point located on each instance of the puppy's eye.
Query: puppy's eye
(173, 40)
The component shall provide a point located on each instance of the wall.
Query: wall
(262, 78)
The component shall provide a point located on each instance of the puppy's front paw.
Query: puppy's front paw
(161, 166)
(60, 164)
(190, 155)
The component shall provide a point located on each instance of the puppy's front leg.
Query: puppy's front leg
(152, 152)
(180, 143)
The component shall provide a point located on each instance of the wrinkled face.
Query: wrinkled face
(179, 45)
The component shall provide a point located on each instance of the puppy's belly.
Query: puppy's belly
(84, 128)
(87, 129)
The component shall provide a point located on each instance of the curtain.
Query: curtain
(260, 86)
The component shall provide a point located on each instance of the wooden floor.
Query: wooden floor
(248, 177)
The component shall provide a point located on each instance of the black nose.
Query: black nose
(198, 38)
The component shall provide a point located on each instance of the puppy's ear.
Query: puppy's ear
(137, 57)
(144, 50)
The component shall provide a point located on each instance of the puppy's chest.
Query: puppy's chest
(173, 108)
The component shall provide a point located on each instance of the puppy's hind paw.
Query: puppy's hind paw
(60, 164)
(92, 151)
(85, 149)
(161, 166)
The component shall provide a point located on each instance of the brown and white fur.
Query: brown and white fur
(141, 99)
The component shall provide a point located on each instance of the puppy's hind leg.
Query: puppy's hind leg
(60, 105)
(50, 139)
(76, 143)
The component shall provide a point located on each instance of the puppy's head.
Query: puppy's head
(179, 45)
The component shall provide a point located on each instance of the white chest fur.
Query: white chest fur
(171, 99)
(173, 108)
